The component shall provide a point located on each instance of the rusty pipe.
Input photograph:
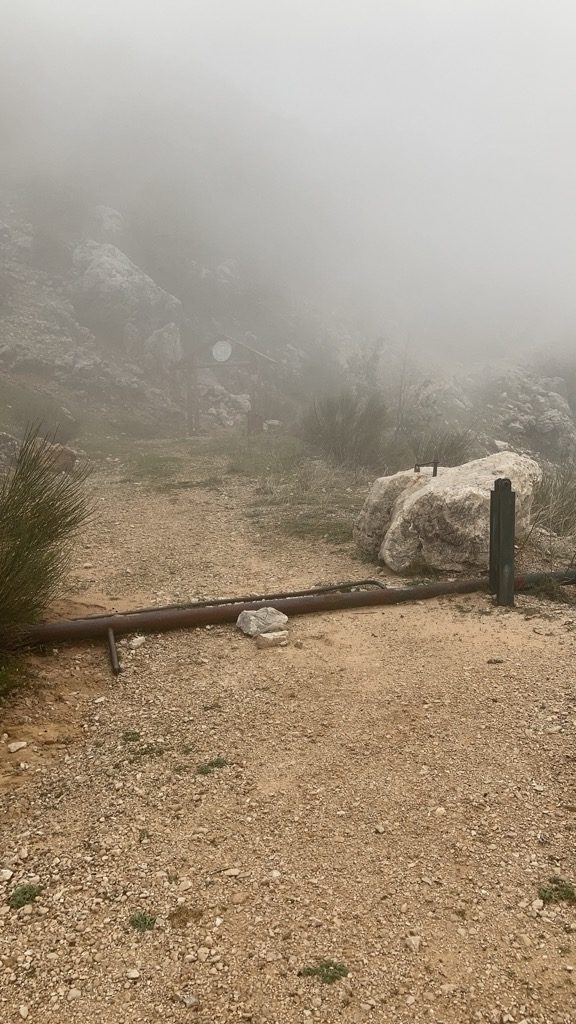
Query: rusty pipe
(163, 620)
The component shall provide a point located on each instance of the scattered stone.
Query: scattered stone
(413, 943)
(13, 748)
(232, 872)
(276, 639)
(6, 875)
(495, 661)
(265, 620)
(133, 974)
(74, 994)
(440, 812)
(191, 1001)
(379, 830)
(23, 1011)
(447, 989)
(137, 642)
(537, 904)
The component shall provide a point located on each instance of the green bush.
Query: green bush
(41, 509)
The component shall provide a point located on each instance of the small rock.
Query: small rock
(276, 639)
(203, 953)
(413, 942)
(137, 642)
(537, 904)
(13, 748)
(299, 644)
(440, 812)
(133, 974)
(74, 994)
(265, 620)
(232, 872)
(191, 1001)
(495, 661)
(6, 875)
(379, 830)
(447, 989)
(23, 1011)
(275, 875)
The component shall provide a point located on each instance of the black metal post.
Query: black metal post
(494, 536)
(502, 537)
(506, 529)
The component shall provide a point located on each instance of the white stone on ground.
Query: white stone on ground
(264, 620)
(276, 639)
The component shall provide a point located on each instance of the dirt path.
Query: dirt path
(398, 786)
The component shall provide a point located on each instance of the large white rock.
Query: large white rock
(115, 296)
(442, 521)
(263, 620)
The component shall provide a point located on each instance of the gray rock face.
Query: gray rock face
(264, 620)
(163, 349)
(108, 224)
(116, 297)
(443, 521)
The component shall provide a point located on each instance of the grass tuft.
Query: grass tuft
(328, 971)
(141, 921)
(209, 766)
(558, 890)
(22, 895)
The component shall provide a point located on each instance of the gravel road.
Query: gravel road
(390, 792)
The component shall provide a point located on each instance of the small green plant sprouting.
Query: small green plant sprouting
(141, 921)
(327, 971)
(209, 766)
(131, 737)
(22, 895)
(558, 890)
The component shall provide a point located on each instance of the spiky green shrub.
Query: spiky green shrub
(41, 509)
(348, 427)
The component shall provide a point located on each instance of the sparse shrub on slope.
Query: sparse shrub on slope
(450, 447)
(348, 428)
(554, 507)
(41, 509)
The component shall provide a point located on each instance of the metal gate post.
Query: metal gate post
(502, 537)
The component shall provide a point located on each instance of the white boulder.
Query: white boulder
(442, 521)
(264, 620)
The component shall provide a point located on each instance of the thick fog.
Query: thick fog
(407, 163)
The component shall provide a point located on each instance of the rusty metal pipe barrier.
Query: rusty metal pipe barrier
(165, 619)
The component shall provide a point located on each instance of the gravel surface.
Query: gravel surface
(389, 792)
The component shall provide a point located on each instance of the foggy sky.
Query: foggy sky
(409, 163)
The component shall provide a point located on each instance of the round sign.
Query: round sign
(221, 351)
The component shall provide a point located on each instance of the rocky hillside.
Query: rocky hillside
(92, 336)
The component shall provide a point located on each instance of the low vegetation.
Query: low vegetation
(141, 921)
(558, 890)
(41, 510)
(327, 971)
(207, 767)
(22, 895)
